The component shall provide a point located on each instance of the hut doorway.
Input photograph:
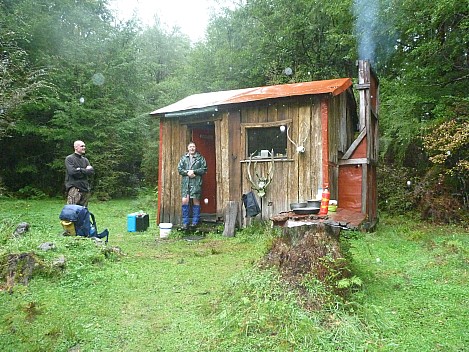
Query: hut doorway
(204, 138)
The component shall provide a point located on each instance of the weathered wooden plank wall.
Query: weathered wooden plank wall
(223, 165)
(299, 175)
(337, 114)
(316, 146)
(170, 130)
(306, 165)
(234, 150)
(161, 216)
(293, 175)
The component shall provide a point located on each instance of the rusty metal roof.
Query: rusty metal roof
(197, 103)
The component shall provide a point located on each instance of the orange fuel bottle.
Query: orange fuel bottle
(326, 196)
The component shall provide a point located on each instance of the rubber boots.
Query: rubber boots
(185, 216)
(195, 215)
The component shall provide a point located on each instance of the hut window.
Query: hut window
(261, 139)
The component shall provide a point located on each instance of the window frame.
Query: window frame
(244, 139)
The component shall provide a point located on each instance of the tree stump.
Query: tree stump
(231, 214)
(309, 250)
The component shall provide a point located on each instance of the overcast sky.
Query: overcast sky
(190, 15)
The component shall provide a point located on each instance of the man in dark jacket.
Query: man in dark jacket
(191, 167)
(76, 179)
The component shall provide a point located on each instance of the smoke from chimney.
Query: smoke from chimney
(366, 18)
(375, 31)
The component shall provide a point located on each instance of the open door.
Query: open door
(204, 139)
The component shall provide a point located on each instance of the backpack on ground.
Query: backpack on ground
(77, 220)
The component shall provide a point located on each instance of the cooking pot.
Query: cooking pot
(294, 206)
(306, 211)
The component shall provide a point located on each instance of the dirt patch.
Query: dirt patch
(18, 269)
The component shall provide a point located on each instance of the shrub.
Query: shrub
(394, 191)
(436, 199)
(30, 192)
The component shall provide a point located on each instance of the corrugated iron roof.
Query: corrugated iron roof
(195, 103)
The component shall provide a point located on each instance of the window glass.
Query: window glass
(261, 139)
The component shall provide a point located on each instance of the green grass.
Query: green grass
(416, 281)
(210, 295)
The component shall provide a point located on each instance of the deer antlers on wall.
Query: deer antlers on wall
(262, 181)
(300, 146)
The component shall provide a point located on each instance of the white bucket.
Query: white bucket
(165, 229)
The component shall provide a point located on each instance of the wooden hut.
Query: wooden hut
(303, 135)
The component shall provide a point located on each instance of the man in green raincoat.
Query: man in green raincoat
(191, 167)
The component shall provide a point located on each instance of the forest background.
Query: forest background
(69, 70)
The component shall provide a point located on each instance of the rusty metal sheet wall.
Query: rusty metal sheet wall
(350, 187)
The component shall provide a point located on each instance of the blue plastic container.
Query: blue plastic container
(132, 222)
